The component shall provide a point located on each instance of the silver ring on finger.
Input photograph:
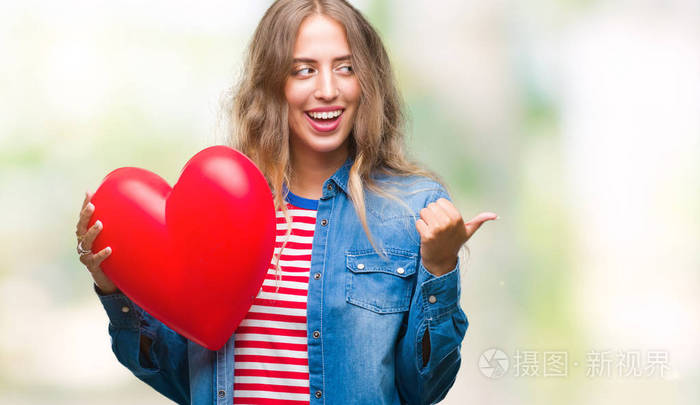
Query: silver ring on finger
(81, 250)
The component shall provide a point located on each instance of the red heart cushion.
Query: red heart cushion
(195, 255)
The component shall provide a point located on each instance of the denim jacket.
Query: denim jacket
(366, 314)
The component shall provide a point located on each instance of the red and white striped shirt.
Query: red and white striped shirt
(271, 357)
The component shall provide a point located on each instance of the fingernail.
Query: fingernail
(98, 223)
(109, 250)
(90, 207)
(498, 217)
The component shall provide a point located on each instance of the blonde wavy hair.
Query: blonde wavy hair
(257, 108)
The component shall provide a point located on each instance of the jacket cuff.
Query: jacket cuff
(122, 312)
(440, 294)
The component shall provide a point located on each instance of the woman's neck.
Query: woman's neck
(310, 170)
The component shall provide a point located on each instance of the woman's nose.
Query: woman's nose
(326, 87)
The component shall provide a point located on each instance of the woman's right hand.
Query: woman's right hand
(87, 236)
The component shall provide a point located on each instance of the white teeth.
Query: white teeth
(325, 115)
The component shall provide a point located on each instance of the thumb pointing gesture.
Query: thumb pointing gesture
(443, 232)
(477, 221)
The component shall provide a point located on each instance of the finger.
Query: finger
(428, 216)
(85, 200)
(85, 215)
(87, 259)
(99, 258)
(91, 234)
(88, 197)
(441, 218)
(477, 221)
(449, 209)
(423, 229)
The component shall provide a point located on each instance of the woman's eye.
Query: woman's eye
(303, 71)
(348, 67)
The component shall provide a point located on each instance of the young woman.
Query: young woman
(361, 301)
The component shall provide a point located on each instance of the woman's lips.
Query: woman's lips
(324, 125)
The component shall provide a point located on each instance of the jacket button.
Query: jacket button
(432, 299)
(125, 309)
(316, 334)
(222, 393)
(329, 187)
(360, 266)
(318, 394)
(317, 276)
(324, 222)
(400, 270)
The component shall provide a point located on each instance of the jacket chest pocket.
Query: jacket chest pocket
(382, 285)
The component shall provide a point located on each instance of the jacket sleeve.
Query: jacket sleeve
(434, 307)
(165, 368)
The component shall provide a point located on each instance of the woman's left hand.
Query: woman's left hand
(442, 234)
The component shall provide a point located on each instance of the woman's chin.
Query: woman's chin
(322, 142)
(326, 147)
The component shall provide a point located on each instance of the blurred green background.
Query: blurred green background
(577, 121)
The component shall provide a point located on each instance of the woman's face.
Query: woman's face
(322, 90)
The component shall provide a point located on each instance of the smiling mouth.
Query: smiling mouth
(324, 117)
(326, 121)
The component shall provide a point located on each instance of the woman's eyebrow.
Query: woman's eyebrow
(310, 60)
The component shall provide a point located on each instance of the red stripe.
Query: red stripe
(294, 257)
(294, 245)
(300, 347)
(276, 317)
(305, 259)
(282, 233)
(286, 268)
(252, 358)
(270, 387)
(298, 375)
(266, 401)
(285, 290)
(279, 303)
(299, 232)
(286, 277)
(297, 218)
(271, 331)
(293, 268)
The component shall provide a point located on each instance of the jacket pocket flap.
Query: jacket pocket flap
(401, 264)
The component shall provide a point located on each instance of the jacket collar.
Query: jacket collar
(340, 177)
